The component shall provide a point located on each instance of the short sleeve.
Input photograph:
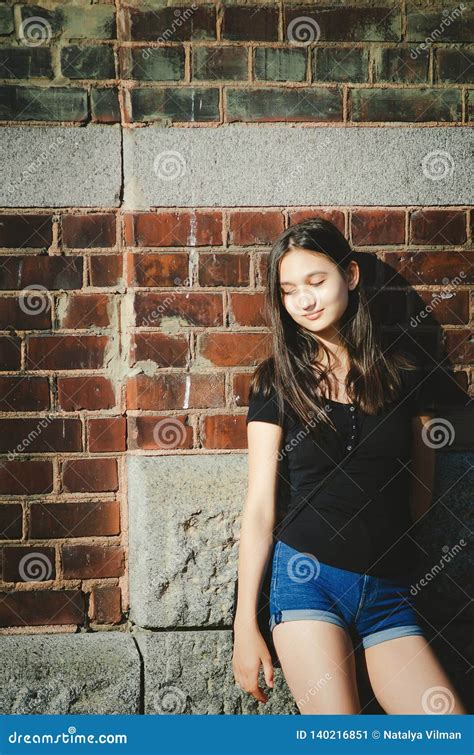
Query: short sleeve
(264, 409)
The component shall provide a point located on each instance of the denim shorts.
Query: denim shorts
(373, 608)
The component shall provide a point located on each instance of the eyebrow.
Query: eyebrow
(315, 272)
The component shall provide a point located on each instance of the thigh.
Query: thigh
(318, 663)
(406, 677)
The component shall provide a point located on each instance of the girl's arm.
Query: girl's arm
(422, 468)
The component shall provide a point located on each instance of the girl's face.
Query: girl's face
(313, 289)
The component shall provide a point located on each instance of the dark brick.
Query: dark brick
(445, 311)
(248, 228)
(95, 392)
(40, 435)
(334, 216)
(25, 231)
(196, 309)
(372, 227)
(84, 311)
(92, 561)
(155, 64)
(398, 65)
(24, 394)
(174, 228)
(65, 352)
(90, 475)
(175, 105)
(224, 269)
(342, 24)
(219, 63)
(304, 104)
(415, 105)
(459, 346)
(85, 231)
(25, 477)
(54, 19)
(105, 105)
(43, 104)
(52, 272)
(105, 270)
(85, 519)
(158, 269)
(173, 24)
(11, 521)
(107, 434)
(10, 353)
(341, 64)
(250, 23)
(6, 19)
(454, 66)
(31, 311)
(438, 227)
(163, 349)
(434, 24)
(69, 19)
(32, 564)
(41, 608)
(106, 605)
(88, 62)
(25, 63)
(280, 64)
(430, 268)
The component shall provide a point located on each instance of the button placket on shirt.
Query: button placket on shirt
(352, 409)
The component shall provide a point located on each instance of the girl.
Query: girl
(332, 399)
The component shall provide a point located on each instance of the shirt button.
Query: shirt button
(352, 408)
(349, 448)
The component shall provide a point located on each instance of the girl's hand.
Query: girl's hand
(250, 650)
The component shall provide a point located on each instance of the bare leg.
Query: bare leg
(406, 677)
(317, 661)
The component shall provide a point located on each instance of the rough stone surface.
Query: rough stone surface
(75, 673)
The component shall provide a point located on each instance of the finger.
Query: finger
(259, 694)
(268, 671)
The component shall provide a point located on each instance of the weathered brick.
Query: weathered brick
(280, 64)
(158, 269)
(250, 23)
(85, 519)
(105, 105)
(414, 105)
(6, 19)
(25, 63)
(179, 104)
(158, 433)
(431, 23)
(30, 311)
(84, 311)
(90, 475)
(342, 24)
(51, 272)
(334, 216)
(438, 227)
(248, 228)
(97, 23)
(43, 103)
(40, 435)
(92, 393)
(247, 309)
(200, 310)
(173, 24)
(241, 387)
(105, 270)
(341, 64)
(430, 268)
(24, 394)
(86, 231)
(302, 104)
(105, 606)
(10, 353)
(86, 561)
(459, 345)
(19, 477)
(219, 63)
(223, 431)
(106, 434)
(161, 348)
(25, 231)
(398, 65)
(154, 64)
(11, 521)
(372, 227)
(178, 228)
(41, 607)
(65, 352)
(233, 349)
(445, 311)
(91, 62)
(224, 269)
(28, 564)
(169, 392)
(454, 66)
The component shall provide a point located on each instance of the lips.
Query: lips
(314, 315)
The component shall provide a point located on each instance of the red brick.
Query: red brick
(32, 311)
(240, 388)
(221, 431)
(24, 394)
(459, 346)
(168, 392)
(52, 272)
(248, 309)
(223, 269)
(40, 435)
(85, 311)
(65, 352)
(233, 349)
(11, 521)
(10, 353)
(105, 605)
(158, 269)
(26, 231)
(86, 561)
(161, 433)
(247, 228)
(161, 348)
(107, 434)
(430, 268)
(85, 231)
(334, 216)
(28, 564)
(25, 477)
(438, 227)
(41, 608)
(105, 270)
(167, 228)
(94, 392)
(453, 310)
(85, 519)
(200, 310)
(372, 227)
(90, 475)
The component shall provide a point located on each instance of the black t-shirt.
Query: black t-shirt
(359, 517)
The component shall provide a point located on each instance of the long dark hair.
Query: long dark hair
(294, 369)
